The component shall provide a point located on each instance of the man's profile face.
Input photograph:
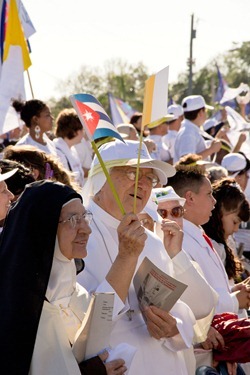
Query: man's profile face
(203, 202)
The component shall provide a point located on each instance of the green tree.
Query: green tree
(123, 80)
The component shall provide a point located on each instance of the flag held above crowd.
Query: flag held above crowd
(156, 99)
(120, 111)
(96, 124)
(93, 117)
(15, 58)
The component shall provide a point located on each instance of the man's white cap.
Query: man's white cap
(234, 163)
(210, 123)
(167, 194)
(5, 176)
(119, 154)
(194, 102)
(176, 110)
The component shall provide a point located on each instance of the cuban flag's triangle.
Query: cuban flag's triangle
(93, 117)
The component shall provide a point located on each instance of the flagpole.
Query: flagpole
(31, 88)
(137, 168)
(110, 182)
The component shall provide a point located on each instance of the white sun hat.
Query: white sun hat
(167, 194)
(118, 154)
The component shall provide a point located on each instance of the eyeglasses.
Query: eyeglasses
(152, 178)
(175, 212)
(76, 219)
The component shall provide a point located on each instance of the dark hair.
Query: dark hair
(189, 161)
(229, 197)
(135, 117)
(247, 167)
(186, 179)
(32, 157)
(191, 115)
(17, 182)
(29, 109)
(67, 123)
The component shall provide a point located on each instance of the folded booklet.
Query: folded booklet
(94, 333)
(155, 287)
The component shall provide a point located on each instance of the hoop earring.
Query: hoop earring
(37, 131)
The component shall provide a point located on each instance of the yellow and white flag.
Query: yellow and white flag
(15, 60)
(156, 99)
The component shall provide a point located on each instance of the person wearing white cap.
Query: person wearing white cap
(189, 138)
(171, 208)
(238, 167)
(157, 130)
(173, 126)
(196, 189)
(162, 342)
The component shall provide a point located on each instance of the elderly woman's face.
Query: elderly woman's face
(170, 207)
(5, 199)
(73, 238)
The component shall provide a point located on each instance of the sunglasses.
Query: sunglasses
(175, 212)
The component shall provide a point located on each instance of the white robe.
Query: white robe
(212, 267)
(61, 318)
(153, 356)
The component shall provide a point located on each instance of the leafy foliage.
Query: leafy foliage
(127, 81)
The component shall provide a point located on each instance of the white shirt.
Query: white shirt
(188, 140)
(84, 152)
(169, 141)
(152, 356)
(211, 265)
(162, 151)
(69, 158)
(49, 147)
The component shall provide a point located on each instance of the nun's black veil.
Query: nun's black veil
(26, 253)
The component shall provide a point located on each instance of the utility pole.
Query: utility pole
(190, 60)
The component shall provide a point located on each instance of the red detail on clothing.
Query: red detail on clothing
(208, 241)
(236, 334)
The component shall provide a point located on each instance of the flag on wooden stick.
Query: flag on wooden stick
(156, 99)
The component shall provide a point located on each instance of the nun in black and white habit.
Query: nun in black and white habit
(42, 306)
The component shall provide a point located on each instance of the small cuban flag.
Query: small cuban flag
(93, 117)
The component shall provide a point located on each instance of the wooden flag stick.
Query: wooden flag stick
(31, 88)
(138, 169)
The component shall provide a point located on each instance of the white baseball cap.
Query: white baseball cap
(118, 154)
(194, 102)
(210, 123)
(176, 110)
(5, 176)
(167, 194)
(234, 163)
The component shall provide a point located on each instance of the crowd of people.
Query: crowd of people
(184, 206)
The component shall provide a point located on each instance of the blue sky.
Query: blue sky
(80, 32)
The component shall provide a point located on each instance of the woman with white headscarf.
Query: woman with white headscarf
(42, 306)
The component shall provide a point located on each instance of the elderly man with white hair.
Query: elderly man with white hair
(164, 340)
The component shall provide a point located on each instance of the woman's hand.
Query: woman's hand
(173, 236)
(214, 340)
(115, 367)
